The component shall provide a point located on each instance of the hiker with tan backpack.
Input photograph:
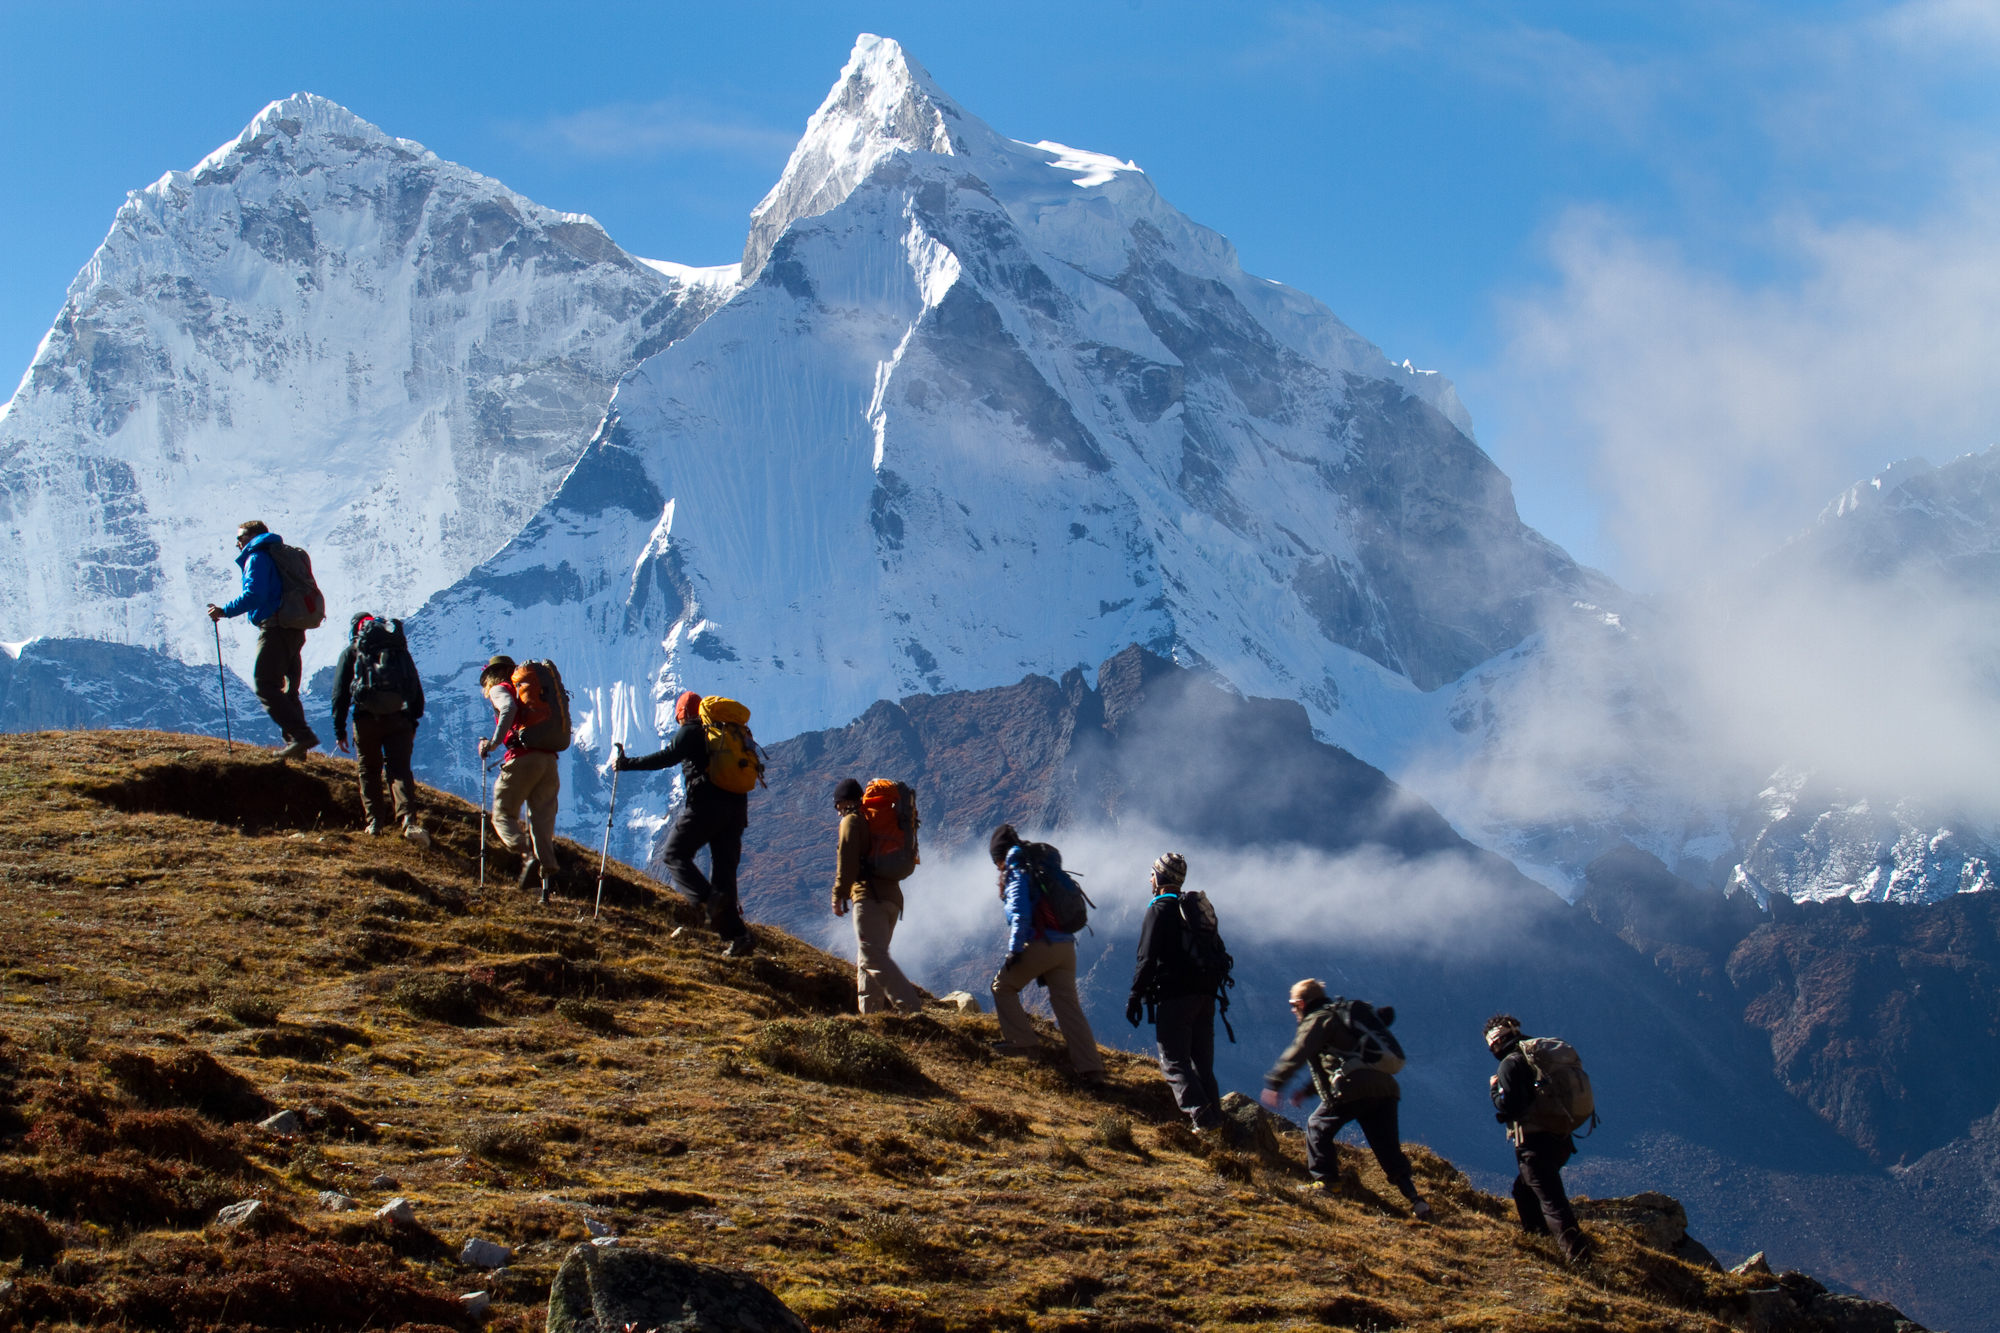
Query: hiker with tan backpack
(531, 727)
(877, 852)
(283, 601)
(720, 766)
(1541, 1094)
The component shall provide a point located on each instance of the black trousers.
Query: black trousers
(384, 743)
(1377, 1118)
(1539, 1197)
(276, 678)
(720, 829)
(1184, 1026)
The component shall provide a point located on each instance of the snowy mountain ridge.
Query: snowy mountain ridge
(390, 359)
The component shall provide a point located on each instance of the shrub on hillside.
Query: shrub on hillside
(26, 1235)
(503, 1141)
(252, 1011)
(588, 1014)
(439, 997)
(835, 1050)
(191, 1079)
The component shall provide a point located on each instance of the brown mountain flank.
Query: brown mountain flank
(196, 942)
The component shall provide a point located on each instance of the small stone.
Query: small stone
(398, 1209)
(383, 1183)
(335, 1202)
(484, 1254)
(284, 1122)
(602, 1241)
(239, 1214)
(965, 1002)
(597, 1228)
(1756, 1263)
(677, 932)
(475, 1302)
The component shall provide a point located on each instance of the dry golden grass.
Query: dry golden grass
(193, 940)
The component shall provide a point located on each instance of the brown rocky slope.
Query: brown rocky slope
(199, 941)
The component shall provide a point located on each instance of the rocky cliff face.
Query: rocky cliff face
(390, 359)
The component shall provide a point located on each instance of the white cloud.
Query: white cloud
(651, 130)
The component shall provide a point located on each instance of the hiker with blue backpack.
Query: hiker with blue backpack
(1353, 1059)
(1045, 908)
(1182, 970)
(377, 677)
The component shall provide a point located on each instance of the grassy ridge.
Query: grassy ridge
(195, 941)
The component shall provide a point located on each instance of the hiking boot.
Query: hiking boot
(1317, 1189)
(740, 947)
(531, 873)
(414, 832)
(374, 829)
(298, 749)
(1420, 1210)
(1576, 1247)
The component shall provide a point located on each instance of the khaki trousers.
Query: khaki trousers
(881, 983)
(534, 776)
(1055, 962)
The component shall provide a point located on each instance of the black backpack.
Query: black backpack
(385, 675)
(1207, 957)
(1375, 1047)
(1059, 901)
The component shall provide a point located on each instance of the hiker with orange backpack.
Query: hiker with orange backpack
(283, 609)
(720, 766)
(878, 850)
(531, 727)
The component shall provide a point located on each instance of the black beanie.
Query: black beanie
(1003, 838)
(847, 789)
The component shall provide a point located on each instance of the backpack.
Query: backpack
(735, 764)
(1208, 959)
(543, 721)
(1563, 1101)
(303, 605)
(1060, 904)
(890, 809)
(385, 676)
(1375, 1047)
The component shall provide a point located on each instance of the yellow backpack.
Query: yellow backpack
(734, 761)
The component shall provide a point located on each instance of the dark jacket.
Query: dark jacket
(1164, 969)
(689, 749)
(1513, 1092)
(343, 678)
(1323, 1044)
(263, 590)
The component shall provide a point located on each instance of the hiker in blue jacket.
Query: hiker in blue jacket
(278, 668)
(1036, 952)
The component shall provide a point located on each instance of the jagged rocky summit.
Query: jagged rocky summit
(390, 359)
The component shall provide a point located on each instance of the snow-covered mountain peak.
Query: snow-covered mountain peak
(883, 103)
(310, 118)
(1867, 492)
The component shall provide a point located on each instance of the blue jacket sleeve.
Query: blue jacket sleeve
(263, 591)
(1020, 904)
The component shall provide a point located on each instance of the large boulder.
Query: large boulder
(1248, 1125)
(609, 1289)
(1659, 1220)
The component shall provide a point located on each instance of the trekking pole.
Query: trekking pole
(222, 679)
(609, 815)
(483, 772)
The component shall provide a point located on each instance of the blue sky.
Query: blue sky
(1694, 267)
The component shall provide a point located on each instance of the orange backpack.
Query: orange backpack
(890, 809)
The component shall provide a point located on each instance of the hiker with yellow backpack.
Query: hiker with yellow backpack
(720, 766)
(877, 852)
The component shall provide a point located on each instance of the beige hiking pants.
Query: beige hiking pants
(881, 983)
(534, 776)
(1055, 961)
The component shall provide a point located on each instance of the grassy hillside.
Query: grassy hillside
(194, 942)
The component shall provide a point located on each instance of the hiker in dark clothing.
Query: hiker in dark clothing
(1349, 1091)
(1182, 999)
(387, 695)
(709, 817)
(1540, 1150)
(278, 669)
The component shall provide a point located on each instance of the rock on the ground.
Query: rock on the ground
(238, 1215)
(398, 1209)
(383, 1183)
(284, 1122)
(602, 1290)
(1798, 1303)
(1659, 1220)
(597, 1228)
(1249, 1125)
(484, 1253)
(335, 1202)
(475, 1302)
(1757, 1265)
(962, 1000)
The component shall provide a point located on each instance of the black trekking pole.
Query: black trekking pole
(483, 772)
(222, 679)
(609, 815)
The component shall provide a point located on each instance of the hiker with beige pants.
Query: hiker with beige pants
(1037, 950)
